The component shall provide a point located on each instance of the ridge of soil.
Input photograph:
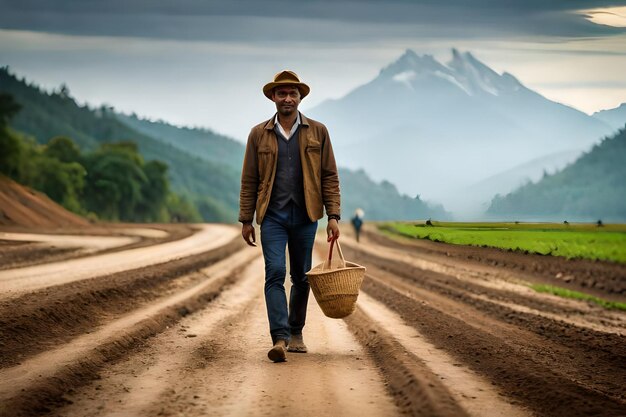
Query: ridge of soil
(516, 373)
(50, 390)
(38, 320)
(546, 364)
(18, 254)
(417, 392)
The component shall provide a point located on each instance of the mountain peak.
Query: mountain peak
(465, 61)
(410, 62)
(409, 54)
(478, 77)
(459, 57)
(464, 71)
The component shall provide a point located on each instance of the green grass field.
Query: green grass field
(576, 240)
(564, 292)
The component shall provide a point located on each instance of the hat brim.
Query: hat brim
(267, 88)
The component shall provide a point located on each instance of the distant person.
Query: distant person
(289, 176)
(357, 222)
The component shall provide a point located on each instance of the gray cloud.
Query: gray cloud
(215, 55)
(319, 21)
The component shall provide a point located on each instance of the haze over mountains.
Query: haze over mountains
(591, 188)
(203, 166)
(442, 130)
(512, 179)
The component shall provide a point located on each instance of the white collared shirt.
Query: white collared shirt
(293, 128)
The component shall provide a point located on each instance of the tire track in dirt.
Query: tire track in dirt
(486, 292)
(595, 328)
(40, 320)
(140, 380)
(483, 279)
(424, 379)
(16, 254)
(531, 365)
(89, 243)
(28, 279)
(40, 383)
(517, 373)
(223, 369)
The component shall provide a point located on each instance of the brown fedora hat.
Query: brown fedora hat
(286, 78)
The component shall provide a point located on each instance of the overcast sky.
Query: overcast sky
(203, 63)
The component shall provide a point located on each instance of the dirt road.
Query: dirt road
(179, 328)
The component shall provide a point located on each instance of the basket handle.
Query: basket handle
(330, 254)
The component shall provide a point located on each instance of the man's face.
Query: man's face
(287, 99)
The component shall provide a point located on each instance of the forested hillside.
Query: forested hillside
(112, 182)
(592, 188)
(195, 141)
(213, 187)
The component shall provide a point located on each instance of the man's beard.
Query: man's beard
(287, 112)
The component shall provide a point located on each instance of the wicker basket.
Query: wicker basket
(335, 284)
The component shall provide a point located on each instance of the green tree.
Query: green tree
(63, 148)
(10, 145)
(114, 183)
(182, 210)
(8, 109)
(11, 151)
(213, 211)
(154, 192)
(62, 182)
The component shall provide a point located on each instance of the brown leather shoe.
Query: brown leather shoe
(278, 353)
(296, 344)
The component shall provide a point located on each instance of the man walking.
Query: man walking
(289, 176)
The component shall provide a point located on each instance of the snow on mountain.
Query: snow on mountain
(435, 129)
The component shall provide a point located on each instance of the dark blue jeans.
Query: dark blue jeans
(288, 227)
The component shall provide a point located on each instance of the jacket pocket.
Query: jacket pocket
(265, 157)
(314, 149)
(314, 161)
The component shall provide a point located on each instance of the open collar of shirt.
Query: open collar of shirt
(293, 128)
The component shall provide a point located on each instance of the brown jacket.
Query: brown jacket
(319, 171)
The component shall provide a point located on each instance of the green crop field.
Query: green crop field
(564, 292)
(575, 240)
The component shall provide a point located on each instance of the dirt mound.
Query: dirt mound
(22, 206)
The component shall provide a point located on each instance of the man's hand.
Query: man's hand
(332, 230)
(248, 233)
